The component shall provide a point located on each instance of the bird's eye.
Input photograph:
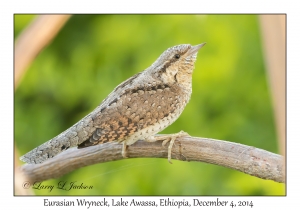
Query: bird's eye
(177, 56)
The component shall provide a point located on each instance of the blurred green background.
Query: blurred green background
(92, 54)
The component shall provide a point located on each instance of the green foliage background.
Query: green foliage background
(94, 53)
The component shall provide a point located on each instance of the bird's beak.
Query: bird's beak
(195, 49)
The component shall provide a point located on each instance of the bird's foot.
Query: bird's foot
(167, 138)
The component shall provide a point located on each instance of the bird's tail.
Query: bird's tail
(49, 149)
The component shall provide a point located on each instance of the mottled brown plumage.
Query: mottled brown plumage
(137, 109)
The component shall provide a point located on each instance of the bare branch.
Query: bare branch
(33, 39)
(273, 31)
(249, 160)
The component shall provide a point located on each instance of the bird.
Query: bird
(137, 109)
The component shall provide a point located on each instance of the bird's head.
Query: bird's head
(176, 64)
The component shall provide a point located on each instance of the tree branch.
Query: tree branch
(247, 159)
(33, 39)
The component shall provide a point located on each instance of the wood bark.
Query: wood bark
(247, 159)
